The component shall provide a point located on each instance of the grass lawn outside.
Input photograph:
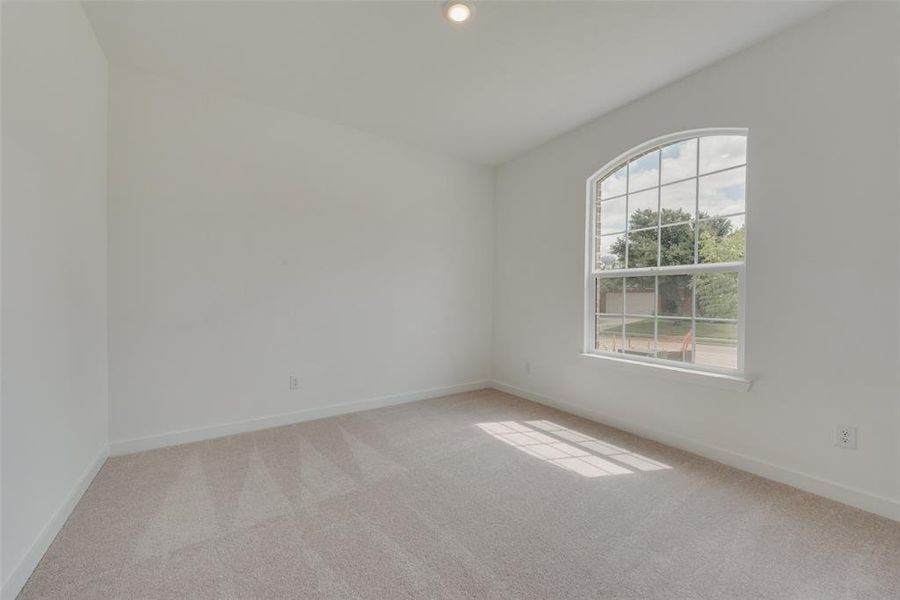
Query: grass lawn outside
(708, 332)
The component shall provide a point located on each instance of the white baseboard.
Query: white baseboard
(16, 581)
(175, 438)
(857, 498)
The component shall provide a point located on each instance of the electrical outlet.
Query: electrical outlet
(528, 367)
(845, 437)
(293, 383)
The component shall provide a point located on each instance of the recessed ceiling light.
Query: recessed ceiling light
(457, 11)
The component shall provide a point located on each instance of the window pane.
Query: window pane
(717, 344)
(677, 245)
(640, 295)
(736, 222)
(674, 340)
(721, 240)
(722, 193)
(609, 297)
(643, 172)
(611, 252)
(639, 338)
(608, 334)
(722, 151)
(642, 209)
(717, 295)
(676, 295)
(678, 201)
(612, 216)
(642, 248)
(679, 161)
(613, 184)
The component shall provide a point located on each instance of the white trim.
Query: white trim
(670, 269)
(19, 576)
(175, 438)
(880, 505)
(674, 371)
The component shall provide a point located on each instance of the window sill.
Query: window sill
(722, 381)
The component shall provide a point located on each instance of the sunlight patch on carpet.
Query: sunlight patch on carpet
(569, 449)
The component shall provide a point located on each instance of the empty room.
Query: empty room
(415, 299)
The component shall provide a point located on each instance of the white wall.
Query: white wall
(54, 356)
(821, 103)
(249, 243)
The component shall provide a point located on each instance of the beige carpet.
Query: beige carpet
(479, 495)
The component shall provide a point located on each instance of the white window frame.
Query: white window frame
(591, 275)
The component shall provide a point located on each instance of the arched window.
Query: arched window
(666, 244)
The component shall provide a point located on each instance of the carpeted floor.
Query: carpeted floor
(478, 495)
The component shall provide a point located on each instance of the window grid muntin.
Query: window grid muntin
(669, 317)
(627, 226)
(696, 222)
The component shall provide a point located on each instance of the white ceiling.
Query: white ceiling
(515, 75)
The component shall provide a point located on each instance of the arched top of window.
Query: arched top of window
(672, 158)
(685, 178)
